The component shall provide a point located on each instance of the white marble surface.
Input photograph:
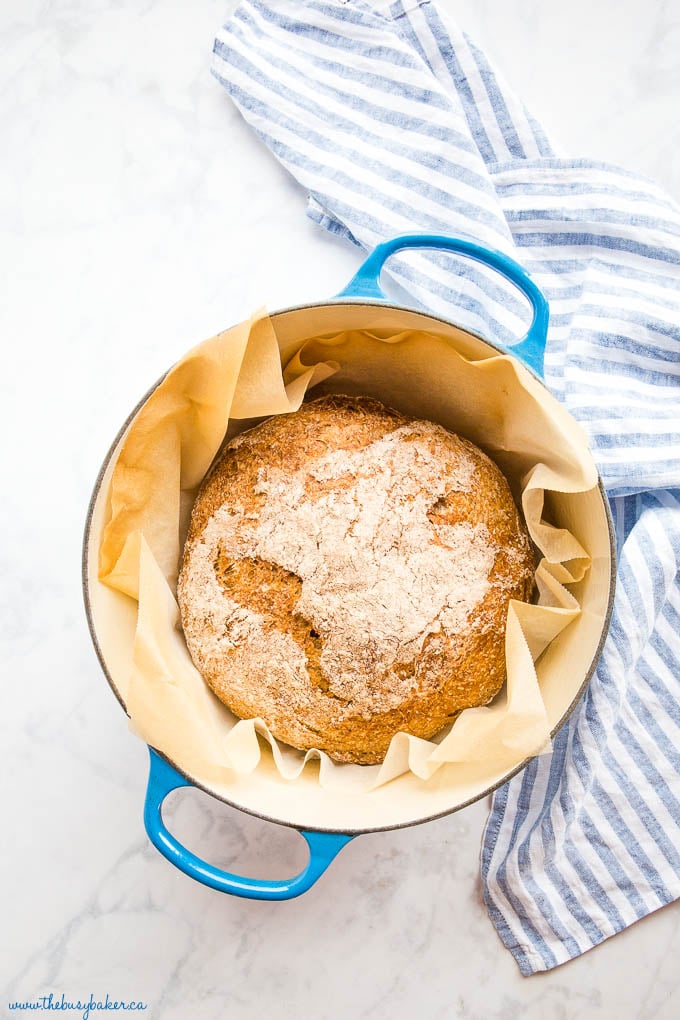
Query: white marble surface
(137, 216)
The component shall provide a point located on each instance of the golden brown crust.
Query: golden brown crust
(268, 648)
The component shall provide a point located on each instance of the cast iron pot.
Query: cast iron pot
(326, 819)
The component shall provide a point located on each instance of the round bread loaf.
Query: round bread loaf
(347, 575)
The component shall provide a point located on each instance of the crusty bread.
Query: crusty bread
(347, 574)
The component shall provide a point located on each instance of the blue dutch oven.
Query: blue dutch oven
(329, 820)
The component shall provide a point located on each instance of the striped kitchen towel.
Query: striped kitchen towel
(394, 122)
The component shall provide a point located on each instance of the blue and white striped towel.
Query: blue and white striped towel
(394, 122)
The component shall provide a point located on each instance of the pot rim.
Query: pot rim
(330, 829)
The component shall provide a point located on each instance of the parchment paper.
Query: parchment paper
(238, 376)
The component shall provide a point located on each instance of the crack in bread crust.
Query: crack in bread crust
(273, 593)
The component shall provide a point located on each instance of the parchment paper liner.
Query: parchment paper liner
(237, 376)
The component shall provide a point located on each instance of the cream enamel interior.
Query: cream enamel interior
(562, 669)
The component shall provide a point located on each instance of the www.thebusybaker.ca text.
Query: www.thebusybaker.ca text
(82, 1006)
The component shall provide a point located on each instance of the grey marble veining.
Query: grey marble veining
(139, 215)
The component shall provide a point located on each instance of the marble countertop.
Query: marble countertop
(138, 216)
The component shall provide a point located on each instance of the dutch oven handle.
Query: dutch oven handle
(163, 779)
(530, 349)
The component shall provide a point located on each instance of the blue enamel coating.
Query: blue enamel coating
(163, 779)
(530, 349)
